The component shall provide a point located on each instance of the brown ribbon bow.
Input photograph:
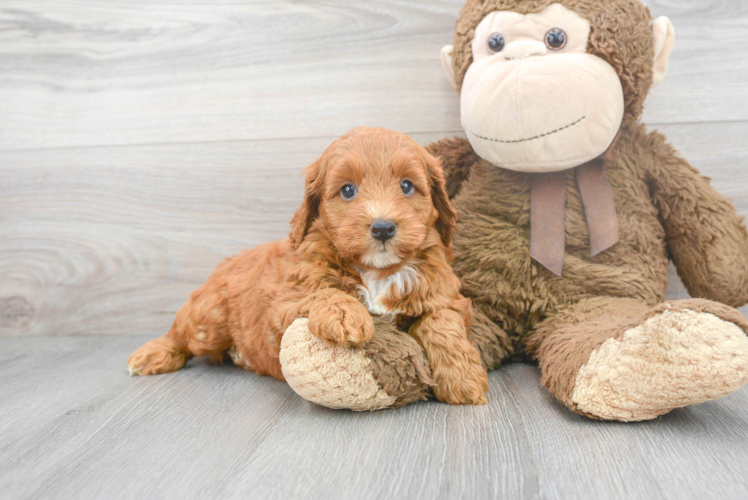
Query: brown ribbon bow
(547, 201)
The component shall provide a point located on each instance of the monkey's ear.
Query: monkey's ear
(308, 211)
(447, 64)
(447, 222)
(663, 39)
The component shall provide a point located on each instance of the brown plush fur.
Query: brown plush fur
(398, 365)
(666, 210)
(661, 203)
(250, 300)
(564, 342)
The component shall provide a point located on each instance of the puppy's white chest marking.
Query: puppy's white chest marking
(375, 290)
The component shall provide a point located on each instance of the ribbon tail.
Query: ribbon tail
(547, 235)
(599, 206)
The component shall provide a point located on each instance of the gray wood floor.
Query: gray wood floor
(74, 425)
(141, 142)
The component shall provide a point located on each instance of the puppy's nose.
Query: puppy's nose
(383, 230)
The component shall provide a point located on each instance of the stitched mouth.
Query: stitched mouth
(546, 134)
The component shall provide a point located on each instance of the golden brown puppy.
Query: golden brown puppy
(372, 236)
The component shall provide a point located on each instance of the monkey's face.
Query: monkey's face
(534, 100)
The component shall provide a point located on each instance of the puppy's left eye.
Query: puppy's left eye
(407, 187)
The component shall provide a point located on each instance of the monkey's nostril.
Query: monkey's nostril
(383, 230)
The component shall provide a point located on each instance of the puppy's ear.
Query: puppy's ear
(308, 211)
(447, 222)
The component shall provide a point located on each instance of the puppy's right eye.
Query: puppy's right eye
(348, 192)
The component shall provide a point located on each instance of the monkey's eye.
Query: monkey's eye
(556, 39)
(496, 43)
(348, 192)
(407, 187)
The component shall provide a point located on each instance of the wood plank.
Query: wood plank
(109, 240)
(90, 73)
(700, 84)
(74, 425)
(113, 240)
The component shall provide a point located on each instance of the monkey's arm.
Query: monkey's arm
(457, 157)
(706, 239)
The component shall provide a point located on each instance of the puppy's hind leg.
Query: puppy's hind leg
(200, 329)
(161, 355)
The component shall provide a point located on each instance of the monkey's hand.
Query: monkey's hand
(707, 240)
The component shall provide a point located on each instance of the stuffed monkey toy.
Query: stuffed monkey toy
(569, 211)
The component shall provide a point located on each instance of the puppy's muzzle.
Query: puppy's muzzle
(383, 230)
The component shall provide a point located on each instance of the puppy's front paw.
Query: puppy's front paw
(343, 322)
(461, 384)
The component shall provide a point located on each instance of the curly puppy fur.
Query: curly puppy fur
(332, 268)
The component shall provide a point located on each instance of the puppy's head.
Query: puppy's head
(377, 195)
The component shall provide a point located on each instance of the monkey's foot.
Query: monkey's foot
(677, 357)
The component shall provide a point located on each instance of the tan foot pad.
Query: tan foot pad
(331, 376)
(674, 359)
